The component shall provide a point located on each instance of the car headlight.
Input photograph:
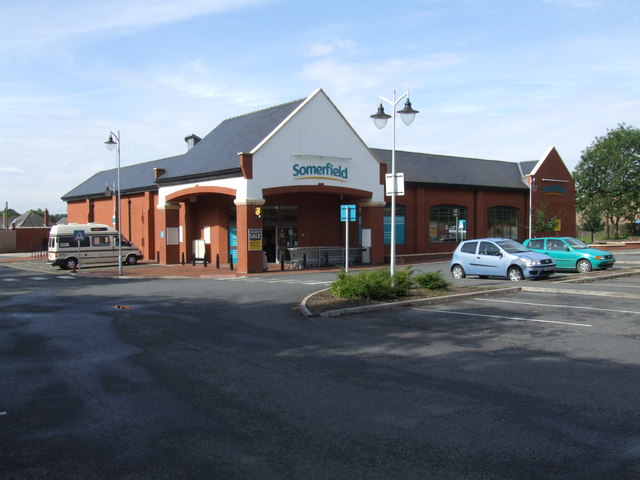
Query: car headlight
(600, 257)
(532, 263)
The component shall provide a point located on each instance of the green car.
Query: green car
(571, 254)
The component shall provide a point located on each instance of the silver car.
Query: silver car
(499, 257)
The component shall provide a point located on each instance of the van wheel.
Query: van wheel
(70, 263)
(515, 274)
(131, 260)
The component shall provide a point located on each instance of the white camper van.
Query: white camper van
(88, 244)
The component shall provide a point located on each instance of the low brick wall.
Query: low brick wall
(616, 245)
(32, 239)
(7, 241)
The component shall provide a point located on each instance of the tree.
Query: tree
(592, 221)
(542, 223)
(608, 176)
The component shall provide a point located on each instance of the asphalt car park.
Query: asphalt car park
(201, 378)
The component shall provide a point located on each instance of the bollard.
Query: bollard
(218, 261)
(193, 259)
(230, 262)
(304, 261)
(205, 261)
(282, 262)
(158, 256)
(182, 258)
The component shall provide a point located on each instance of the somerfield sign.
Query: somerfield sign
(328, 171)
(554, 189)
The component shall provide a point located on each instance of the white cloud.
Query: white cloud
(343, 76)
(32, 24)
(321, 49)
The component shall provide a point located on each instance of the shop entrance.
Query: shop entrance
(280, 231)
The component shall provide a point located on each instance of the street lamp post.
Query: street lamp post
(407, 114)
(532, 188)
(111, 143)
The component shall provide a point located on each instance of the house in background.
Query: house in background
(28, 232)
(274, 180)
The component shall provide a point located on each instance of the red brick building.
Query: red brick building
(276, 179)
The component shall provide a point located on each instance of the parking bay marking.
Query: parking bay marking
(557, 306)
(507, 318)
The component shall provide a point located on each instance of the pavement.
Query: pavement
(154, 270)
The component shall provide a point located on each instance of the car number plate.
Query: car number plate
(546, 269)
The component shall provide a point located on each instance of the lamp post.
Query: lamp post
(111, 143)
(407, 114)
(532, 188)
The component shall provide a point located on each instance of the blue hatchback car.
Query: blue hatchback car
(499, 257)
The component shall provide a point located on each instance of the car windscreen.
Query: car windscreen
(511, 246)
(575, 243)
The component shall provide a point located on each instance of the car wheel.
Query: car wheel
(132, 260)
(70, 264)
(515, 274)
(584, 266)
(458, 272)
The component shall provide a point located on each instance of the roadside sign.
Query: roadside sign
(397, 186)
(78, 236)
(347, 213)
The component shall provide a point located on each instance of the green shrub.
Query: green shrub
(432, 281)
(372, 285)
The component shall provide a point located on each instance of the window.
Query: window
(101, 240)
(557, 245)
(69, 241)
(488, 248)
(537, 243)
(447, 223)
(469, 247)
(400, 225)
(502, 222)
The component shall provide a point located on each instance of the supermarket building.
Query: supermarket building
(277, 179)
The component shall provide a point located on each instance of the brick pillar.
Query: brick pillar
(168, 218)
(373, 219)
(246, 218)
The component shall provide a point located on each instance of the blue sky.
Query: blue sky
(494, 79)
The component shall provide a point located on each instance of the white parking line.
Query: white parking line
(452, 312)
(551, 305)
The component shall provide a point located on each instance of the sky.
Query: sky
(492, 79)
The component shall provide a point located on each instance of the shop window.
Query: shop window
(400, 225)
(502, 222)
(447, 224)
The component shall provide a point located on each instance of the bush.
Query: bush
(432, 281)
(372, 285)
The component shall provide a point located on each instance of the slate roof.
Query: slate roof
(527, 167)
(216, 155)
(133, 178)
(29, 219)
(426, 168)
(218, 151)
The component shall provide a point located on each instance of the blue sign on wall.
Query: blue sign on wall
(233, 243)
(400, 229)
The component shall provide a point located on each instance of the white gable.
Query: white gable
(315, 145)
